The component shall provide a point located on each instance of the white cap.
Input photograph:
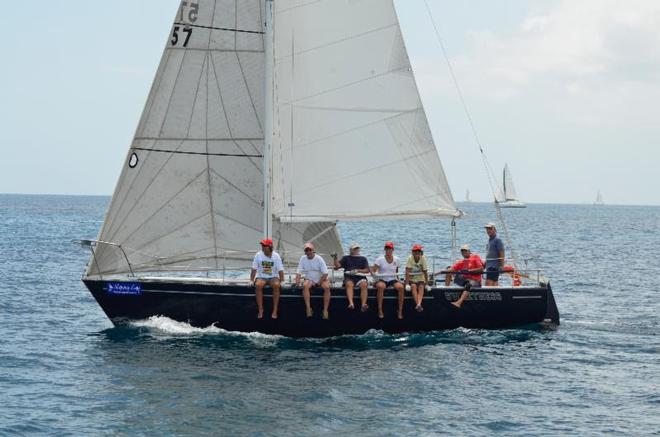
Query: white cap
(465, 247)
(490, 225)
(354, 246)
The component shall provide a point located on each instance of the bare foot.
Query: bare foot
(326, 315)
(399, 316)
(260, 315)
(273, 316)
(381, 315)
(351, 306)
(364, 308)
(456, 304)
(309, 312)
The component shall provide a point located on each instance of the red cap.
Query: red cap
(389, 245)
(417, 247)
(309, 246)
(267, 242)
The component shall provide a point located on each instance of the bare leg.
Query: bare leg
(259, 294)
(448, 279)
(380, 295)
(420, 296)
(275, 283)
(464, 295)
(400, 295)
(326, 299)
(306, 296)
(413, 292)
(349, 294)
(364, 294)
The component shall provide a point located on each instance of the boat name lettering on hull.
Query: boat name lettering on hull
(123, 288)
(478, 295)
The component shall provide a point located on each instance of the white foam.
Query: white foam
(165, 325)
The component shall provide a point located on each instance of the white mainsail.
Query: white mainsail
(190, 194)
(351, 138)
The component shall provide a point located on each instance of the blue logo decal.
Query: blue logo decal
(124, 288)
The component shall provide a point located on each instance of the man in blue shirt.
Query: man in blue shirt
(494, 256)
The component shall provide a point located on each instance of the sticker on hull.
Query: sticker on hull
(123, 288)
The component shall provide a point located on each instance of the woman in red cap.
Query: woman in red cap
(386, 269)
(417, 275)
(267, 268)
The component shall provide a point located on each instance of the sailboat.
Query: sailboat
(467, 197)
(508, 197)
(277, 118)
(599, 199)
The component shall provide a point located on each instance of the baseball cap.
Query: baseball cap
(354, 246)
(309, 246)
(465, 247)
(267, 242)
(417, 247)
(389, 245)
(490, 225)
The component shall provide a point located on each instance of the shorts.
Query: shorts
(355, 278)
(493, 273)
(461, 281)
(388, 283)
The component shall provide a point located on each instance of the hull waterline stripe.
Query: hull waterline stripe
(527, 297)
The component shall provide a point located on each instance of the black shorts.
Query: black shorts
(355, 278)
(493, 273)
(388, 284)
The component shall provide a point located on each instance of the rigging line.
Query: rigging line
(492, 181)
(225, 29)
(181, 152)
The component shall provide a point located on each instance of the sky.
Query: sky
(567, 92)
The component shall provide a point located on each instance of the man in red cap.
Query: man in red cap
(315, 270)
(386, 268)
(267, 268)
(468, 273)
(417, 275)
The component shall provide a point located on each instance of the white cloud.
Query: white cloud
(584, 45)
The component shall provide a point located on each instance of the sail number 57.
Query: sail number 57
(175, 35)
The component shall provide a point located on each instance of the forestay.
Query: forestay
(351, 136)
(190, 194)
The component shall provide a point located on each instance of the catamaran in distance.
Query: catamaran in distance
(254, 122)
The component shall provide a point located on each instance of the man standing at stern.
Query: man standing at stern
(494, 256)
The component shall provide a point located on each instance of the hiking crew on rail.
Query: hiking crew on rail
(312, 272)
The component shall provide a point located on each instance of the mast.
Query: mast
(268, 118)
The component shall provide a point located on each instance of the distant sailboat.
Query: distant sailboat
(508, 197)
(467, 197)
(599, 199)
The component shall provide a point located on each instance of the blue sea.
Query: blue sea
(65, 370)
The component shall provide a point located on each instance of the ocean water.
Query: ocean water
(64, 370)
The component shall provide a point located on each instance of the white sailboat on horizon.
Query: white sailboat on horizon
(508, 198)
(599, 199)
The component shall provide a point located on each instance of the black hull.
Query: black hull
(233, 308)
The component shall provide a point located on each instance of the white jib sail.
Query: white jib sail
(190, 194)
(351, 136)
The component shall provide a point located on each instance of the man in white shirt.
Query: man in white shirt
(385, 269)
(315, 270)
(267, 268)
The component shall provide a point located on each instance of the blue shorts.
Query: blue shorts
(355, 278)
(493, 273)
